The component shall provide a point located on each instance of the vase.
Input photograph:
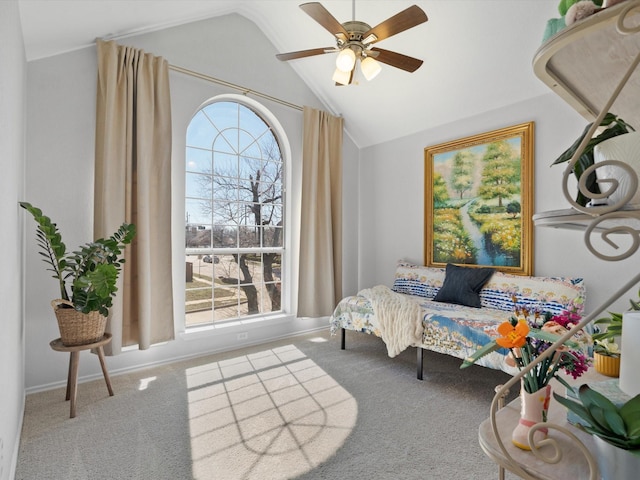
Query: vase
(533, 410)
(606, 364)
(624, 148)
(616, 463)
(630, 358)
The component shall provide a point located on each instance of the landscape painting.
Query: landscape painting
(479, 201)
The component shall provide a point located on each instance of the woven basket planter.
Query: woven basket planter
(77, 328)
(606, 365)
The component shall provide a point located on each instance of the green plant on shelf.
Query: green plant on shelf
(619, 426)
(613, 126)
(613, 323)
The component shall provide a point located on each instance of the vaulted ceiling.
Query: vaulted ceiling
(477, 53)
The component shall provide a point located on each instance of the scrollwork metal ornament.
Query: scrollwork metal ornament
(557, 451)
(602, 213)
(608, 220)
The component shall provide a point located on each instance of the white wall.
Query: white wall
(392, 200)
(60, 128)
(12, 134)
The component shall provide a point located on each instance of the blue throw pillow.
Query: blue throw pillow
(462, 285)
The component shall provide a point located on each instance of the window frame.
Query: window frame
(285, 275)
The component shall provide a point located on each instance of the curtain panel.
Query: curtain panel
(133, 184)
(320, 262)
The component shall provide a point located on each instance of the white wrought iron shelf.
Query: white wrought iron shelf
(572, 219)
(582, 64)
(592, 65)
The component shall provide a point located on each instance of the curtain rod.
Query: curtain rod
(244, 90)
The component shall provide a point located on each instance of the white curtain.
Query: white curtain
(320, 263)
(133, 184)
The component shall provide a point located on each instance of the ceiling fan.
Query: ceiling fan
(354, 42)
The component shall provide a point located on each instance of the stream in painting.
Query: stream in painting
(483, 255)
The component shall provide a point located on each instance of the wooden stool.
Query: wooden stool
(72, 379)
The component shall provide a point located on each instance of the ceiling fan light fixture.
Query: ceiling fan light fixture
(370, 68)
(354, 39)
(346, 60)
(341, 77)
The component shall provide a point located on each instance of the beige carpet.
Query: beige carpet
(297, 408)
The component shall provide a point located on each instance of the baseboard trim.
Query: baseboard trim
(177, 358)
(16, 444)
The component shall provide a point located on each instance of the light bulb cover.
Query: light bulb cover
(346, 60)
(370, 68)
(341, 77)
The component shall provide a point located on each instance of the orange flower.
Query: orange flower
(512, 337)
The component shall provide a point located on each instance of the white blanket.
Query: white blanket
(399, 318)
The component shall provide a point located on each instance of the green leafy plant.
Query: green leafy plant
(619, 426)
(614, 126)
(613, 323)
(92, 271)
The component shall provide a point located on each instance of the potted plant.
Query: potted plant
(613, 323)
(606, 357)
(86, 277)
(606, 353)
(613, 126)
(616, 431)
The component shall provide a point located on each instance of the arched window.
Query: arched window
(234, 215)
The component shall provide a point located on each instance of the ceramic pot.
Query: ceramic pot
(616, 463)
(607, 365)
(533, 409)
(624, 148)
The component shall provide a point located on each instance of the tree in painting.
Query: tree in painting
(500, 173)
(513, 208)
(462, 172)
(440, 193)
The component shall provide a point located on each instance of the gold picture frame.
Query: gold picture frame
(479, 201)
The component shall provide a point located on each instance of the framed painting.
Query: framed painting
(479, 201)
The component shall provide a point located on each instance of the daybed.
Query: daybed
(407, 315)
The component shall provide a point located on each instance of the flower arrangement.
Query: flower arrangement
(528, 334)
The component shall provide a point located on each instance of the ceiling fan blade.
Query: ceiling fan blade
(304, 53)
(397, 60)
(400, 22)
(321, 15)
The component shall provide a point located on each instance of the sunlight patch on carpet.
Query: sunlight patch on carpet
(145, 382)
(272, 414)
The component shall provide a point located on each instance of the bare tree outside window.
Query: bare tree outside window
(234, 207)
